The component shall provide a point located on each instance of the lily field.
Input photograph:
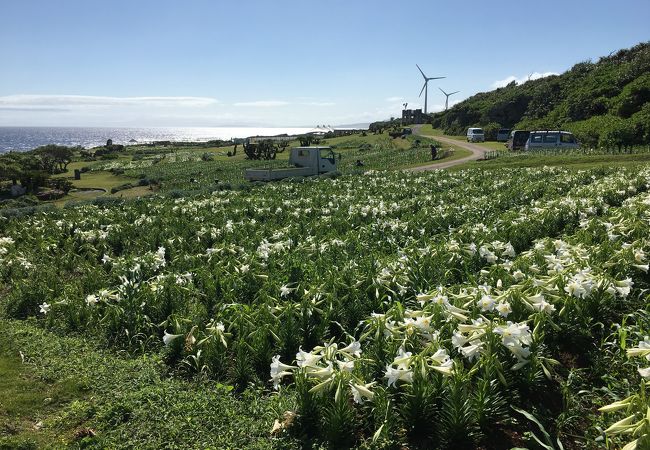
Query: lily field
(478, 308)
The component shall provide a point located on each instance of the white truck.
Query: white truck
(306, 161)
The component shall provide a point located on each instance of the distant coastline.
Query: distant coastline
(28, 138)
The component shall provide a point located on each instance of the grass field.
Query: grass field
(371, 310)
(180, 165)
(570, 161)
(376, 309)
(68, 393)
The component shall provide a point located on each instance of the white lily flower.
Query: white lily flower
(307, 358)
(519, 351)
(279, 370)
(509, 250)
(361, 392)
(403, 359)
(473, 350)
(575, 289)
(92, 300)
(441, 299)
(395, 375)
(321, 373)
(504, 309)
(645, 373)
(286, 290)
(514, 333)
(643, 350)
(487, 303)
(45, 308)
(440, 356)
(458, 340)
(624, 287)
(169, 338)
(422, 298)
(446, 368)
(353, 349)
(345, 366)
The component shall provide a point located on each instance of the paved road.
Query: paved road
(478, 152)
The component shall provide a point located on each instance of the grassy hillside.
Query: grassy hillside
(605, 103)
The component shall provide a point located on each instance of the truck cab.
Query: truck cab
(304, 162)
(322, 159)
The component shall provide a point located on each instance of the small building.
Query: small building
(412, 116)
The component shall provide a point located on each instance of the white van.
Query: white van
(551, 139)
(475, 135)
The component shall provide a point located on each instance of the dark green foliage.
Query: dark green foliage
(61, 184)
(122, 187)
(603, 103)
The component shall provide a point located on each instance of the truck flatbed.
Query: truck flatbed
(277, 174)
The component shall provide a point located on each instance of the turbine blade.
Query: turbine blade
(435, 78)
(425, 85)
(425, 77)
(443, 91)
(454, 93)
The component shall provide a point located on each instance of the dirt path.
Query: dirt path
(478, 152)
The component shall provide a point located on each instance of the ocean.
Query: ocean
(27, 138)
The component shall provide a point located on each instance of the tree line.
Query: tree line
(33, 169)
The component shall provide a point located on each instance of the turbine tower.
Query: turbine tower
(425, 87)
(448, 95)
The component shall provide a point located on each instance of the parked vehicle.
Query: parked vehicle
(503, 134)
(551, 139)
(400, 133)
(475, 135)
(306, 161)
(517, 139)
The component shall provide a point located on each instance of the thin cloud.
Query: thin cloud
(262, 103)
(319, 104)
(32, 109)
(41, 102)
(521, 80)
(394, 99)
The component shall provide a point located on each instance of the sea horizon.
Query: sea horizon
(25, 138)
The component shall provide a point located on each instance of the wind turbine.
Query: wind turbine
(425, 87)
(447, 95)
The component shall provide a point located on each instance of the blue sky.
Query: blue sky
(282, 63)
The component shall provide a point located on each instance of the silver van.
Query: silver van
(517, 139)
(551, 139)
(475, 135)
(503, 134)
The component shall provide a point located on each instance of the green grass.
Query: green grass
(128, 402)
(457, 153)
(492, 145)
(27, 403)
(568, 161)
(428, 130)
